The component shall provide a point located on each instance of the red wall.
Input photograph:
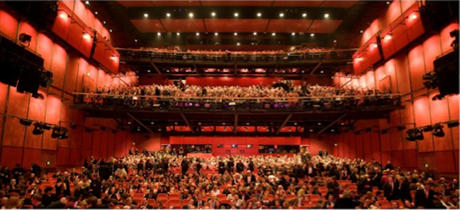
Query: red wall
(404, 73)
(18, 145)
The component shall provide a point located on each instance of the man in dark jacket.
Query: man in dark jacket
(239, 167)
(37, 201)
(96, 186)
(345, 202)
(390, 189)
(424, 197)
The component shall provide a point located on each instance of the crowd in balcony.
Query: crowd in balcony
(166, 180)
(227, 55)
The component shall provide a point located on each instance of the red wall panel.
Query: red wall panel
(29, 30)
(104, 144)
(96, 149)
(30, 156)
(8, 24)
(10, 156)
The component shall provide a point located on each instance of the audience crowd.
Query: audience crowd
(164, 179)
(285, 91)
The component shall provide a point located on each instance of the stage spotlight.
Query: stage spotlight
(410, 135)
(73, 125)
(25, 38)
(357, 132)
(38, 96)
(427, 128)
(57, 130)
(25, 122)
(384, 131)
(437, 131)
(38, 129)
(419, 134)
(452, 124)
(64, 133)
(401, 127)
(367, 130)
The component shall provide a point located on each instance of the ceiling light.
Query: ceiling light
(304, 15)
(197, 34)
(159, 34)
(413, 16)
(216, 34)
(151, 123)
(236, 14)
(311, 130)
(319, 123)
(361, 31)
(322, 72)
(177, 33)
(259, 14)
(146, 15)
(86, 2)
(238, 44)
(326, 15)
(312, 35)
(86, 36)
(110, 30)
(332, 130)
(168, 15)
(213, 14)
(255, 33)
(148, 71)
(374, 45)
(95, 13)
(273, 34)
(190, 15)
(236, 34)
(293, 34)
(387, 37)
(388, 2)
(135, 40)
(281, 14)
(335, 40)
(104, 22)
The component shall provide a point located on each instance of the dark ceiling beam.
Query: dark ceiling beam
(316, 67)
(236, 123)
(284, 123)
(155, 67)
(187, 122)
(332, 123)
(140, 123)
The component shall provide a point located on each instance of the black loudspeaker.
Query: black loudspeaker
(9, 70)
(446, 69)
(28, 80)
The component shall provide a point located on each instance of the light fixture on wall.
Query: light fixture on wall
(56, 131)
(86, 36)
(410, 135)
(388, 37)
(419, 134)
(437, 130)
(25, 122)
(38, 129)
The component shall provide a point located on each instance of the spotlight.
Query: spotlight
(273, 34)
(293, 34)
(367, 130)
(146, 15)
(46, 126)
(335, 40)
(213, 14)
(216, 34)
(437, 131)
(361, 31)
(401, 127)
(304, 15)
(197, 34)
(178, 34)
(387, 37)
(255, 33)
(64, 133)
(326, 15)
(236, 14)
(238, 44)
(281, 14)
(110, 30)
(384, 131)
(168, 15)
(312, 35)
(86, 2)
(159, 34)
(190, 15)
(25, 122)
(419, 134)
(236, 34)
(357, 132)
(259, 14)
(38, 129)
(410, 135)
(25, 38)
(57, 131)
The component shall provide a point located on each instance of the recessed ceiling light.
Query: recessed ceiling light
(332, 130)
(104, 22)
(235, 34)
(86, 2)
(146, 15)
(311, 130)
(177, 33)
(168, 15)
(259, 14)
(388, 2)
(129, 123)
(319, 123)
(135, 40)
(216, 33)
(213, 14)
(293, 34)
(255, 33)
(335, 40)
(273, 34)
(159, 34)
(322, 72)
(238, 44)
(332, 77)
(190, 14)
(326, 15)
(110, 30)
(152, 123)
(312, 34)
(148, 71)
(281, 14)
(236, 14)
(361, 31)
(95, 13)
(304, 15)
(197, 34)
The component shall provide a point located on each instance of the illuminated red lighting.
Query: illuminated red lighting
(87, 36)
(387, 37)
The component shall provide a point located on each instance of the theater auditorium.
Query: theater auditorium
(229, 104)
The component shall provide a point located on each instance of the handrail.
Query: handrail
(233, 52)
(238, 98)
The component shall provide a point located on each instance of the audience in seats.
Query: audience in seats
(164, 179)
